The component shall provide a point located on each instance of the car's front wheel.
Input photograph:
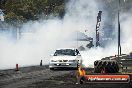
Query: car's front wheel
(51, 68)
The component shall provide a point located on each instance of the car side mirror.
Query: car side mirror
(79, 54)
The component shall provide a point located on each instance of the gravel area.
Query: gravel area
(26, 76)
(42, 77)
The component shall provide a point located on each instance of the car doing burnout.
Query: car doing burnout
(65, 58)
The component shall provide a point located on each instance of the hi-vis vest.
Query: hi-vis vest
(81, 71)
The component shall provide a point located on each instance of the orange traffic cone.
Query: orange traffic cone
(17, 68)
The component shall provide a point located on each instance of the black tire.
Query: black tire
(51, 68)
(117, 67)
(108, 66)
(98, 67)
(112, 67)
(95, 63)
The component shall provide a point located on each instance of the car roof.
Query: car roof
(66, 48)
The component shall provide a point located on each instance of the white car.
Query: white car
(65, 58)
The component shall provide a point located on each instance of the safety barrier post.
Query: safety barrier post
(17, 68)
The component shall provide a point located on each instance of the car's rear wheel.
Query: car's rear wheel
(108, 67)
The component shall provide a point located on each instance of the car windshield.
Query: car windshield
(65, 52)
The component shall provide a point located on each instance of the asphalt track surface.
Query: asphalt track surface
(42, 77)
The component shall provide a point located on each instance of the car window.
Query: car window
(65, 52)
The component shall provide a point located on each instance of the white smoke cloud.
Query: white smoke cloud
(126, 36)
(47, 35)
(111, 48)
